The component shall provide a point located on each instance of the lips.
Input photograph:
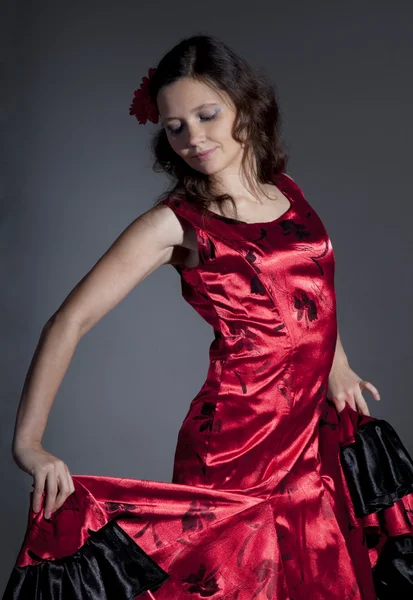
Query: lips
(205, 155)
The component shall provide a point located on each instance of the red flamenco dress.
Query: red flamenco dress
(274, 495)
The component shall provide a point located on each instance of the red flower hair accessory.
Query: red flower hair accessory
(142, 106)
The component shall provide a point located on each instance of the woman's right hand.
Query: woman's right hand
(50, 474)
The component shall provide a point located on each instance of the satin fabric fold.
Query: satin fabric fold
(378, 468)
(127, 538)
(109, 565)
(377, 471)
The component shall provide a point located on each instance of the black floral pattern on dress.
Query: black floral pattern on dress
(305, 306)
(289, 226)
(252, 259)
(244, 338)
(262, 241)
(197, 513)
(202, 583)
(149, 525)
(255, 526)
(326, 422)
(266, 364)
(242, 382)
(315, 258)
(257, 286)
(207, 416)
(267, 574)
(243, 343)
(115, 507)
(202, 462)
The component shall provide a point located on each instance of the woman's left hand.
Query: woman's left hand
(345, 386)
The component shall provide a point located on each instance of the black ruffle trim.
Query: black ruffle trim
(109, 565)
(393, 572)
(377, 467)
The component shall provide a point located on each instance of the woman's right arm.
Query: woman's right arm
(155, 238)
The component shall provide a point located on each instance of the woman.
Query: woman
(283, 486)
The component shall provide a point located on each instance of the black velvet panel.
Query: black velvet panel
(109, 566)
(393, 573)
(377, 467)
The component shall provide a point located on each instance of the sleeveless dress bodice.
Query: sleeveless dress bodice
(267, 289)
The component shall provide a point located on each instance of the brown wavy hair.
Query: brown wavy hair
(257, 123)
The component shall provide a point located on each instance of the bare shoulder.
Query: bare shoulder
(171, 231)
(160, 221)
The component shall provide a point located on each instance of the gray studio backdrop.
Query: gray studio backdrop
(77, 171)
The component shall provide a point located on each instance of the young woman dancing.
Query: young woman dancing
(284, 487)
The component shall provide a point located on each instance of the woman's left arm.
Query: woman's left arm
(344, 385)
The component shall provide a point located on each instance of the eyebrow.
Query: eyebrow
(194, 110)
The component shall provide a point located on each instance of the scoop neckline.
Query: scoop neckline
(257, 223)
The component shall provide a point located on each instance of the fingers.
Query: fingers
(360, 402)
(340, 401)
(57, 483)
(51, 491)
(71, 484)
(65, 485)
(339, 404)
(39, 481)
(354, 397)
(366, 385)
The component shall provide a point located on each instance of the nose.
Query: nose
(196, 134)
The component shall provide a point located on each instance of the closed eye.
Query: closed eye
(179, 129)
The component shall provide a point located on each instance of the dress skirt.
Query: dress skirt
(121, 539)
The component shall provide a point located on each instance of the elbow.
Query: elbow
(65, 319)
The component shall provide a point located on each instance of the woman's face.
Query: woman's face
(196, 119)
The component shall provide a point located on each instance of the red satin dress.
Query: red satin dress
(274, 495)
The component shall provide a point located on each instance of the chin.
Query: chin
(208, 168)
